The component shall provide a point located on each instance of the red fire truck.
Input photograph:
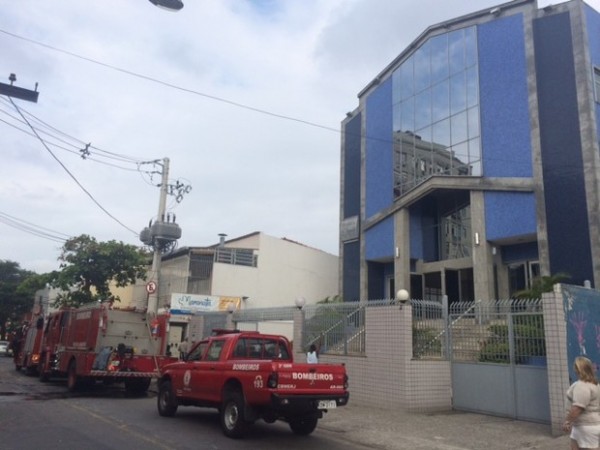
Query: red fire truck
(97, 342)
(27, 355)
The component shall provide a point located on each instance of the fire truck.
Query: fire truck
(27, 355)
(96, 342)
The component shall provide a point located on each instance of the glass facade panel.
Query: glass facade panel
(472, 87)
(439, 58)
(436, 111)
(456, 234)
(456, 50)
(406, 76)
(441, 133)
(470, 47)
(458, 128)
(473, 124)
(422, 109)
(422, 68)
(458, 93)
(440, 101)
(461, 154)
(407, 120)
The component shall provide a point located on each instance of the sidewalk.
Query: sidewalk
(437, 431)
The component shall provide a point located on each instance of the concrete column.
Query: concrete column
(483, 265)
(555, 331)
(402, 250)
(298, 339)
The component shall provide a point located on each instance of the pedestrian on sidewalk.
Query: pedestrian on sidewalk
(183, 348)
(311, 356)
(583, 402)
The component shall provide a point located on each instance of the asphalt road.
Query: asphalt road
(35, 415)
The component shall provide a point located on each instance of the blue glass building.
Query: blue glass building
(472, 163)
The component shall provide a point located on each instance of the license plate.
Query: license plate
(327, 404)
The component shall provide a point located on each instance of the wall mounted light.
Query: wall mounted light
(476, 238)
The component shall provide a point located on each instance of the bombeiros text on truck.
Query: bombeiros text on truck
(249, 376)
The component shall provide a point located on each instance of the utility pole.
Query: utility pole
(17, 92)
(157, 257)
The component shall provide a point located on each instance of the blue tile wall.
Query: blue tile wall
(379, 240)
(509, 214)
(379, 150)
(520, 252)
(351, 275)
(593, 28)
(562, 163)
(416, 232)
(506, 147)
(351, 205)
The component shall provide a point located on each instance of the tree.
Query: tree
(16, 297)
(88, 268)
(541, 285)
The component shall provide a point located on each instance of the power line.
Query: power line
(79, 143)
(32, 228)
(70, 174)
(173, 86)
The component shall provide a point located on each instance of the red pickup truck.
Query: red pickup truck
(249, 376)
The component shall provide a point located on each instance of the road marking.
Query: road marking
(122, 427)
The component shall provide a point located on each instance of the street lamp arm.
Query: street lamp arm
(170, 5)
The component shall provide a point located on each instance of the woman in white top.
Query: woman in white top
(311, 356)
(583, 401)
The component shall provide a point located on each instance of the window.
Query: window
(197, 352)
(521, 276)
(214, 351)
(256, 348)
(436, 110)
(597, 84)
(456, 233)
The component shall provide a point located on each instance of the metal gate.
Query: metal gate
(498, 357)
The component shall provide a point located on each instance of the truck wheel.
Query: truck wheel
(137, 386)
(233, 422)
(167, 401)
(73, 382)
(303, 426)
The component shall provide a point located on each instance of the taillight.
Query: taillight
(273, 380)
(345, 381)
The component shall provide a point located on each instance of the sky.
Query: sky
(244, 97)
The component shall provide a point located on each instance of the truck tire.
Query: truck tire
(233, 421)
(73, 381)
(137, 386)
(166, 400)
(303, 426)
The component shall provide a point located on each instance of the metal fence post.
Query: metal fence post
(446, 317)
